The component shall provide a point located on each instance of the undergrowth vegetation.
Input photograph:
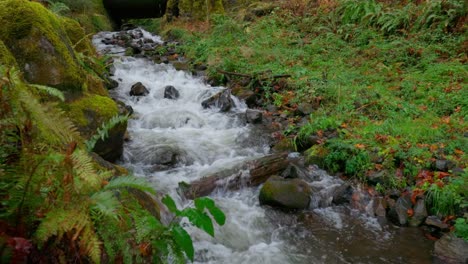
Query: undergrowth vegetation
(388, 79)
(60, 206)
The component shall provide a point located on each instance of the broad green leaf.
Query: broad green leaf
(218, 215)
(199, 219)
(205, 202)
(171, 205)
(184, 241)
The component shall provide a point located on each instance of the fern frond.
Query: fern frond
(104, 203)
(129, 182)
(60, 221)
(90, 244)
(52, 125)
(50, 91)
(84, 169)
(103, 131)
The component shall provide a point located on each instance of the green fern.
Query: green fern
(103, 131)
(129, 182)
(50, 91)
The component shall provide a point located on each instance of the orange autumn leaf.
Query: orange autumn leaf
(360, 146)
(410, 212)
(458, 152)
(446, 119)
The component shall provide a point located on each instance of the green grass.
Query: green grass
(392, 80)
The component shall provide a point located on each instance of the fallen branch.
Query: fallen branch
(251, 173)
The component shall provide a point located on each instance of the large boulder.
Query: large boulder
(88, 113)
(221, 100)
(451, 249)
(285, 193)
(40, 44)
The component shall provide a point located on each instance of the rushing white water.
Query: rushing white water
(201, 141)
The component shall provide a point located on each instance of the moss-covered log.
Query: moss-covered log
(251, 173)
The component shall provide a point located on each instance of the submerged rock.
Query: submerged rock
(138, 89)
(451, 249)
(285, 193)
(170, 92)
(221, 100)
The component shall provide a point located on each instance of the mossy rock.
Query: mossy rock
(38, 41)
(77, 36)
(285, 193)
(6, 58)
(89, 113)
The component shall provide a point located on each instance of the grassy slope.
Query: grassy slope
(391, 80)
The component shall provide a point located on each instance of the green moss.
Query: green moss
(6, 58)
(77, 36)
(40, 45)
(90, 111)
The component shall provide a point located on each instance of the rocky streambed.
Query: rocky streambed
(189, 139)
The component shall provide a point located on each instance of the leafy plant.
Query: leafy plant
(461, 228)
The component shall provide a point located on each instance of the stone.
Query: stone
(450, 249)
(434, 221)
(399, 213)
(441, 165)
(253, 116)
(43, 51)
(221, 100)
(285, 193)
(419, 213)
(138, 89)
(170, 92)
(111, 83)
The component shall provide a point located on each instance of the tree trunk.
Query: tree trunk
(250, 173)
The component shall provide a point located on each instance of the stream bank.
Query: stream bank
(176, 139)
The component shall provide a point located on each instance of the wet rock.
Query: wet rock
(170, 92)
(111, 83)
(434, 221)
(221, 100)
(294, 171)
(138, 89)
(451, 249)
(420, 213)
(285, 193)
(253, 116)
(399, 213)
(181, 66)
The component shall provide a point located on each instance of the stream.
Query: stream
(203, 141)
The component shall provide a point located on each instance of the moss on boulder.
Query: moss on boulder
(38, 41)
(77, 35)
(285, 193)
(6, 58)
(88, 113)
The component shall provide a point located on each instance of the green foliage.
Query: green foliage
(50, 187)
(461, 228)
(58, 8)
(103, 131)
(198, 217)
